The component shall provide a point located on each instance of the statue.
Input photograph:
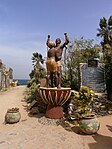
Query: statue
(55, 95)
(54, 58)
(51, 62)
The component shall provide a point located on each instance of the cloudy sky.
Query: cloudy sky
(25, 24)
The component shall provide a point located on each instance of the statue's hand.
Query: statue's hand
(66, 46)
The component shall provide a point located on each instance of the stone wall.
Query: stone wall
(6, 75)
(93, 77)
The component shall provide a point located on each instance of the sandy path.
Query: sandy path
(11, 98)
(30, 134)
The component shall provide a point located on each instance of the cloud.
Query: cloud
(18, 56)
(21, 41)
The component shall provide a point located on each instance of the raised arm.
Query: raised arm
(66, 40)
(50, 43)
(48, 40)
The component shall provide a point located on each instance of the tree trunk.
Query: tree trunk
(109, 88)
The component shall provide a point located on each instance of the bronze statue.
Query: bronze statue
(53, 63)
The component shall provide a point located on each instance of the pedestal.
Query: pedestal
(55, 98)
(54, 112)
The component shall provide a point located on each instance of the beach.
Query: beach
(29, 133)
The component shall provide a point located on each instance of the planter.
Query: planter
(89, 125)
(12, 116)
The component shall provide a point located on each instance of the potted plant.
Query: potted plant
(87, 120)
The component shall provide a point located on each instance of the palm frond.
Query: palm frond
(110, 21)
(103, 23)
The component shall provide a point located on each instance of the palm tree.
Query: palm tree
(105, 32)
(38, 72)
(37, 58)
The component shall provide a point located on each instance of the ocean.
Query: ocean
(22, 81)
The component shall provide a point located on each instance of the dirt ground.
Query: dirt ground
(30, 134)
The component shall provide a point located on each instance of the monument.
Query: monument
(54, 95)
(93, 75)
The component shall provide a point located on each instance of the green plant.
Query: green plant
(105, 32)
(32, 93)
(77, 52)
(82, 102)
(38, 72)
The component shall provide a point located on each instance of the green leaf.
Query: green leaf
(103, 23)
(110, 21)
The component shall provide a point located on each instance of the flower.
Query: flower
(82, 102)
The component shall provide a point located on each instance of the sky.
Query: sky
(25, 25)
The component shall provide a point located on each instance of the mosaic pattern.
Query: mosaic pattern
(89, 125)
(55, 96)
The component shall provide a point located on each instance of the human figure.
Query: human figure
(54, 58)
(58, 56)
(51, 62)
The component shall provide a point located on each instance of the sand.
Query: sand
(30, 134)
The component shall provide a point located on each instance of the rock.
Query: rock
(34, 110)
(32, 104)
(102, 107)
(110, 112)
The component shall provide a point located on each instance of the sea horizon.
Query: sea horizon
(22, 81)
